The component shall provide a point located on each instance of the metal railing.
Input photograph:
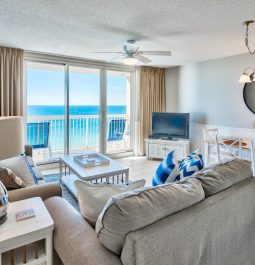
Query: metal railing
(84, 130)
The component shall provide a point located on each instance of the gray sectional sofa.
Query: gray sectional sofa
(216, 226)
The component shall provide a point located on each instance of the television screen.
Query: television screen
(170, 124)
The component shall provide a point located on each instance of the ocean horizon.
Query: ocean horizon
(57, 110)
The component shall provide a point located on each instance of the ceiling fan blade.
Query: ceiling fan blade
(116, 58)
(109, 52)
(159, 53)
(143, 59)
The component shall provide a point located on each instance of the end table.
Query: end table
(28, 241)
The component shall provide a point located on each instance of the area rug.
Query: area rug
(66, 193)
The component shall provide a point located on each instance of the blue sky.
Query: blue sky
(46, 87)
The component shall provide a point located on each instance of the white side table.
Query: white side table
(35, 233)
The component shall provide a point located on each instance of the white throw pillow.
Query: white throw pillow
(20, 167)
(93, 197)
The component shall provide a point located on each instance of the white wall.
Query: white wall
(211, 93)
(172, 93)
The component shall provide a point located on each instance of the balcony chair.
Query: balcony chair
(38, 136)
(117, 129)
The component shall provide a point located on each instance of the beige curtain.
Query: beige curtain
(11, 82)
(152, 99)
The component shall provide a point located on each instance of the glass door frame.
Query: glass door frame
(103, 68)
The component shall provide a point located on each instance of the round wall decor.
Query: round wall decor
(249, 95)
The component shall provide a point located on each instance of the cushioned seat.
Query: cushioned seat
(35, 186)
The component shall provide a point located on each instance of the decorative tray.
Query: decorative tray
(91, 160)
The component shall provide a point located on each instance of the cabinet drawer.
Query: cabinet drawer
(179, 151)
(156, 151)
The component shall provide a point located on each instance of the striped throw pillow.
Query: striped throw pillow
(167, 170)
(190, 165)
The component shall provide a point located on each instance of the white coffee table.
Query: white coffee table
(15, 235)
(114, 172)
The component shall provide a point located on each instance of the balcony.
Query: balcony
(84, 133)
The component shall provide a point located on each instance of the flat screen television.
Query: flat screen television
(170, 125)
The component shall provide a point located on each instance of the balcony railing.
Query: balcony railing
(84, 130)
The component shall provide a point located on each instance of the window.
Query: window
(45, 109)
(93, 102)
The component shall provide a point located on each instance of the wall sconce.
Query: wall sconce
(246, 77)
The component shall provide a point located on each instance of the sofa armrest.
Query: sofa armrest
(75, 241)
(28, 150)
(44, 191)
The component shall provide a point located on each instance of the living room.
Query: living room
(127, 132)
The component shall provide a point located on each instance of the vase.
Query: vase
(3, 203)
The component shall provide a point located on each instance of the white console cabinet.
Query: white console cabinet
(158, 148)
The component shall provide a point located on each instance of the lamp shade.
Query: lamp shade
(244, 78)
(11, 137)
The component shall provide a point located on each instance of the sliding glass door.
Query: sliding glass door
(118, 112)
(45, 109)
(84, 109)
(72, 109)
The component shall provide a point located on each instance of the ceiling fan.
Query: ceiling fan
(131, 54)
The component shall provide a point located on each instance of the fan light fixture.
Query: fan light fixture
(245, 77)
(246, 24)
(130, 60)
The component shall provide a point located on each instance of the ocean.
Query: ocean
(83, 132)
(41, 110)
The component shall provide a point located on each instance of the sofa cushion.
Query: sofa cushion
(221, 176)
(20, 167)
(10, 180)
(167, 170)
(133, 210)
(190, 165)
(93, 197)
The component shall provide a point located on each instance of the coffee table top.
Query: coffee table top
(91, 173)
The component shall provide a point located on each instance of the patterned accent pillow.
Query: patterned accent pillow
(167, 170)
(10, 180)
(190, 165)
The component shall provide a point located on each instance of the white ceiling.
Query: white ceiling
(194, 30)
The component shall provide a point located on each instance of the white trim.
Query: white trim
(25, 100)
(75, 61)
(103, 111)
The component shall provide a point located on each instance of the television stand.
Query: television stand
(159, 148)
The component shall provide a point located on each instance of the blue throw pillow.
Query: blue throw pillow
(190, 165)
(167, 170)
